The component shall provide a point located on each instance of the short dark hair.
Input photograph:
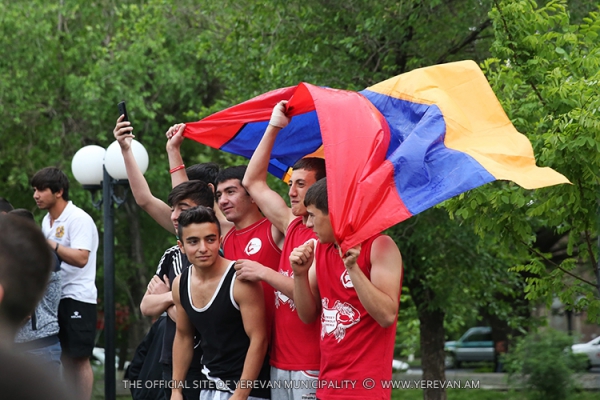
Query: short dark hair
(236, 172)
(25, 266)
(197, 191)
(21, 212)
(206, 172)
(315, 164)
(316, 195)
(5, 205)
(196, 215)
(53, 178)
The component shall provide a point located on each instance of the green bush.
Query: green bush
(543, 364)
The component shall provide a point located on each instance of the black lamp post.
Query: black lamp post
(96, 168)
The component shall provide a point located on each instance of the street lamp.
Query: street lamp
(95, 168)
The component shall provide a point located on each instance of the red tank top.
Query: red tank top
(354, 347)
(256, 243)
(295, 345)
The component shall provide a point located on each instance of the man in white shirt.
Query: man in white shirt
(73, 235)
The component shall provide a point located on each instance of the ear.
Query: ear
(211, 186)
(59, 194)
(180, 245)
(1, 293)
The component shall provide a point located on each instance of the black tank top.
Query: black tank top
(224, 341)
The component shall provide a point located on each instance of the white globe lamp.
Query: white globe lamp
(114, 163)
(87, 165)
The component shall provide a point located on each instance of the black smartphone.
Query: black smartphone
(123, 110)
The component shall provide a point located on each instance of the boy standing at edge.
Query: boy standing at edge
(356, 295)
(73, 236)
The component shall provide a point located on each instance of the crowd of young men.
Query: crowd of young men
(259, 301)
(321, 319)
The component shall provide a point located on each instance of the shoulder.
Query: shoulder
(172, 252)
(175, 289)
(384, 243)
(78, 213)
(243, 289)
(79, 219)
(169, 256)
(384, 249)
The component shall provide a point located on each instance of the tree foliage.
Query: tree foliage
(545, 72)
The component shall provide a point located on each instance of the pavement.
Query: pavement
(497, 381)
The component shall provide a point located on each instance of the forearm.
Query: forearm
(279, 282)
(252, 365)
(378, 304)
(308, 311)
(175, 160)
(153, 305)
(75, 257)
(138, 184)
(156, 208)
(183, 351)
(256, 173)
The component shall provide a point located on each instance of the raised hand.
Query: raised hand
(123, 133)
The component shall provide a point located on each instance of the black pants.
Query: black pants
(192, 388)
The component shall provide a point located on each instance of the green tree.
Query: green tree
(545, 73)
(451, 274)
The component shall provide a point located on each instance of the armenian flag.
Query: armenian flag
(392, 150)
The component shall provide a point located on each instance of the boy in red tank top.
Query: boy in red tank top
(295, 353)
(356, 296)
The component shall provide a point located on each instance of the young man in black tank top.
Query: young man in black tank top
(229, 315)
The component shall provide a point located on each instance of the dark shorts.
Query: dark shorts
(77, 321)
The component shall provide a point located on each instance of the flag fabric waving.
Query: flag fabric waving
(391, 150)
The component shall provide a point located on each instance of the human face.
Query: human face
(299, 183)
(233, 200)
(176, 210)
(320, 224)
(200, 243)
(45, 199)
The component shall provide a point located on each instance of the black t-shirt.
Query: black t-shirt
(172, 264)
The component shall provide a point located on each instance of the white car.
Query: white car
(398, 365)
(591, 349)
(98, 358)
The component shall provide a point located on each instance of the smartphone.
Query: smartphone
(123, 110)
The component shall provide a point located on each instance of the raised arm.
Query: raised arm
(155, 207)
(381, 294)
(249, 296)
(255, 179)
(306, 292)
(183, 345)
(179, 175)
(174, 140)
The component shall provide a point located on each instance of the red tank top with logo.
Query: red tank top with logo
(295, 345)
(256, 243)
(356, 352)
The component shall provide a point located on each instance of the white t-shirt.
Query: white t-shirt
(75, 229)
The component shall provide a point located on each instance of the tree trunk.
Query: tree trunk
(432, 352)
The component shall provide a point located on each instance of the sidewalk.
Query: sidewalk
(495, 381)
